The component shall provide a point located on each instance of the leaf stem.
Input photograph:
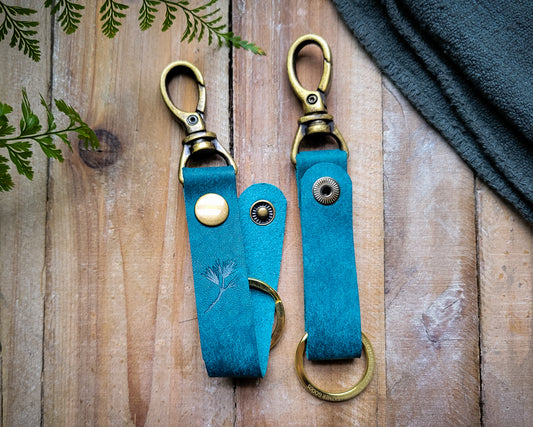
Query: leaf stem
(198, 22)
(40, 135)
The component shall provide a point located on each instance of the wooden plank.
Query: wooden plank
(430, 274)
(22, 242)
(265, 121)
(121, 335)
(111, 295)
(506, 306)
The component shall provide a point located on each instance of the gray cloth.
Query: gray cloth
(467, 66)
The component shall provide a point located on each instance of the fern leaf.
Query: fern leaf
(49, 116)
(22, 30)
(200, 20)
(49, 148)
(69, 16)
(6, 182)
(170, 16)
(147, 13)
(20, 154)
(201, 33)
(5, 127)
(29, 122)
(205, 6)
(110, 16)
(19, 147)
(238, 42)
(84, 131)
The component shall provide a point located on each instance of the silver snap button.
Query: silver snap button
(326, 190)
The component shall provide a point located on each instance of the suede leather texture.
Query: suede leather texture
(263, 246)
(332, 315)
(232, 320)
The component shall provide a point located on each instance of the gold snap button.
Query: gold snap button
(211, 209)
(262, 212)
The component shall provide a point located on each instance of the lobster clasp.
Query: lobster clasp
(196, 137)
(313, 101)
(316, 119)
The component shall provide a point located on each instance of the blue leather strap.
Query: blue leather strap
(233, 321)
(332, 317)
(263, 245)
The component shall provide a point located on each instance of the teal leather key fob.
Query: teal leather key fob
(331, 297)
(236, 247)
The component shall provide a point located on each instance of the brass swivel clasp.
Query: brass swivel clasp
(197, 138)
(316, 119)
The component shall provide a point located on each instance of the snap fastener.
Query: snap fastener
(262, 212)
(211, 209)
(326, 190)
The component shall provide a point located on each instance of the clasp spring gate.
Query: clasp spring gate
(316, 119)
(197, 138)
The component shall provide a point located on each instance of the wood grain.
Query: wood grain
(22, 243)
(97, 312)
(121, 336)
(430, 275)
(506, 307)
(265, 121)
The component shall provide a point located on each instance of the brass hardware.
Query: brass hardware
(262, 212)
(279, 311)
(335, 396)
(196, 137)
(211, 209)
(326, 190)
(316, 119)
(312, 100)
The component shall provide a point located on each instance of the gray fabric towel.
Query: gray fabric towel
(467, 66)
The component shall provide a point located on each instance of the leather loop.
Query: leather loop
(332, 316)
(235, 322)
(263, 246)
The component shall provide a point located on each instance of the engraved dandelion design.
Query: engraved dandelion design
(222, 275)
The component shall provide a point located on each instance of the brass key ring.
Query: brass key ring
(338, 396)
(197, 138)
(279, 313)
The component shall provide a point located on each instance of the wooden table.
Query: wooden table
(98, 319)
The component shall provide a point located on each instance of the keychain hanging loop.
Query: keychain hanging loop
(192, 121)
(316, 119)
(197, 138)
(313, 101)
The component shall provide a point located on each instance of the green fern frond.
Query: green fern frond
(200, 21)
(169, 16)
(69, 16)
(111, 16)
(147, 13)
(19, 147)
(22, 30)
(238, 42)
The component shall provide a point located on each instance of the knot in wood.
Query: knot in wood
(103, 156)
